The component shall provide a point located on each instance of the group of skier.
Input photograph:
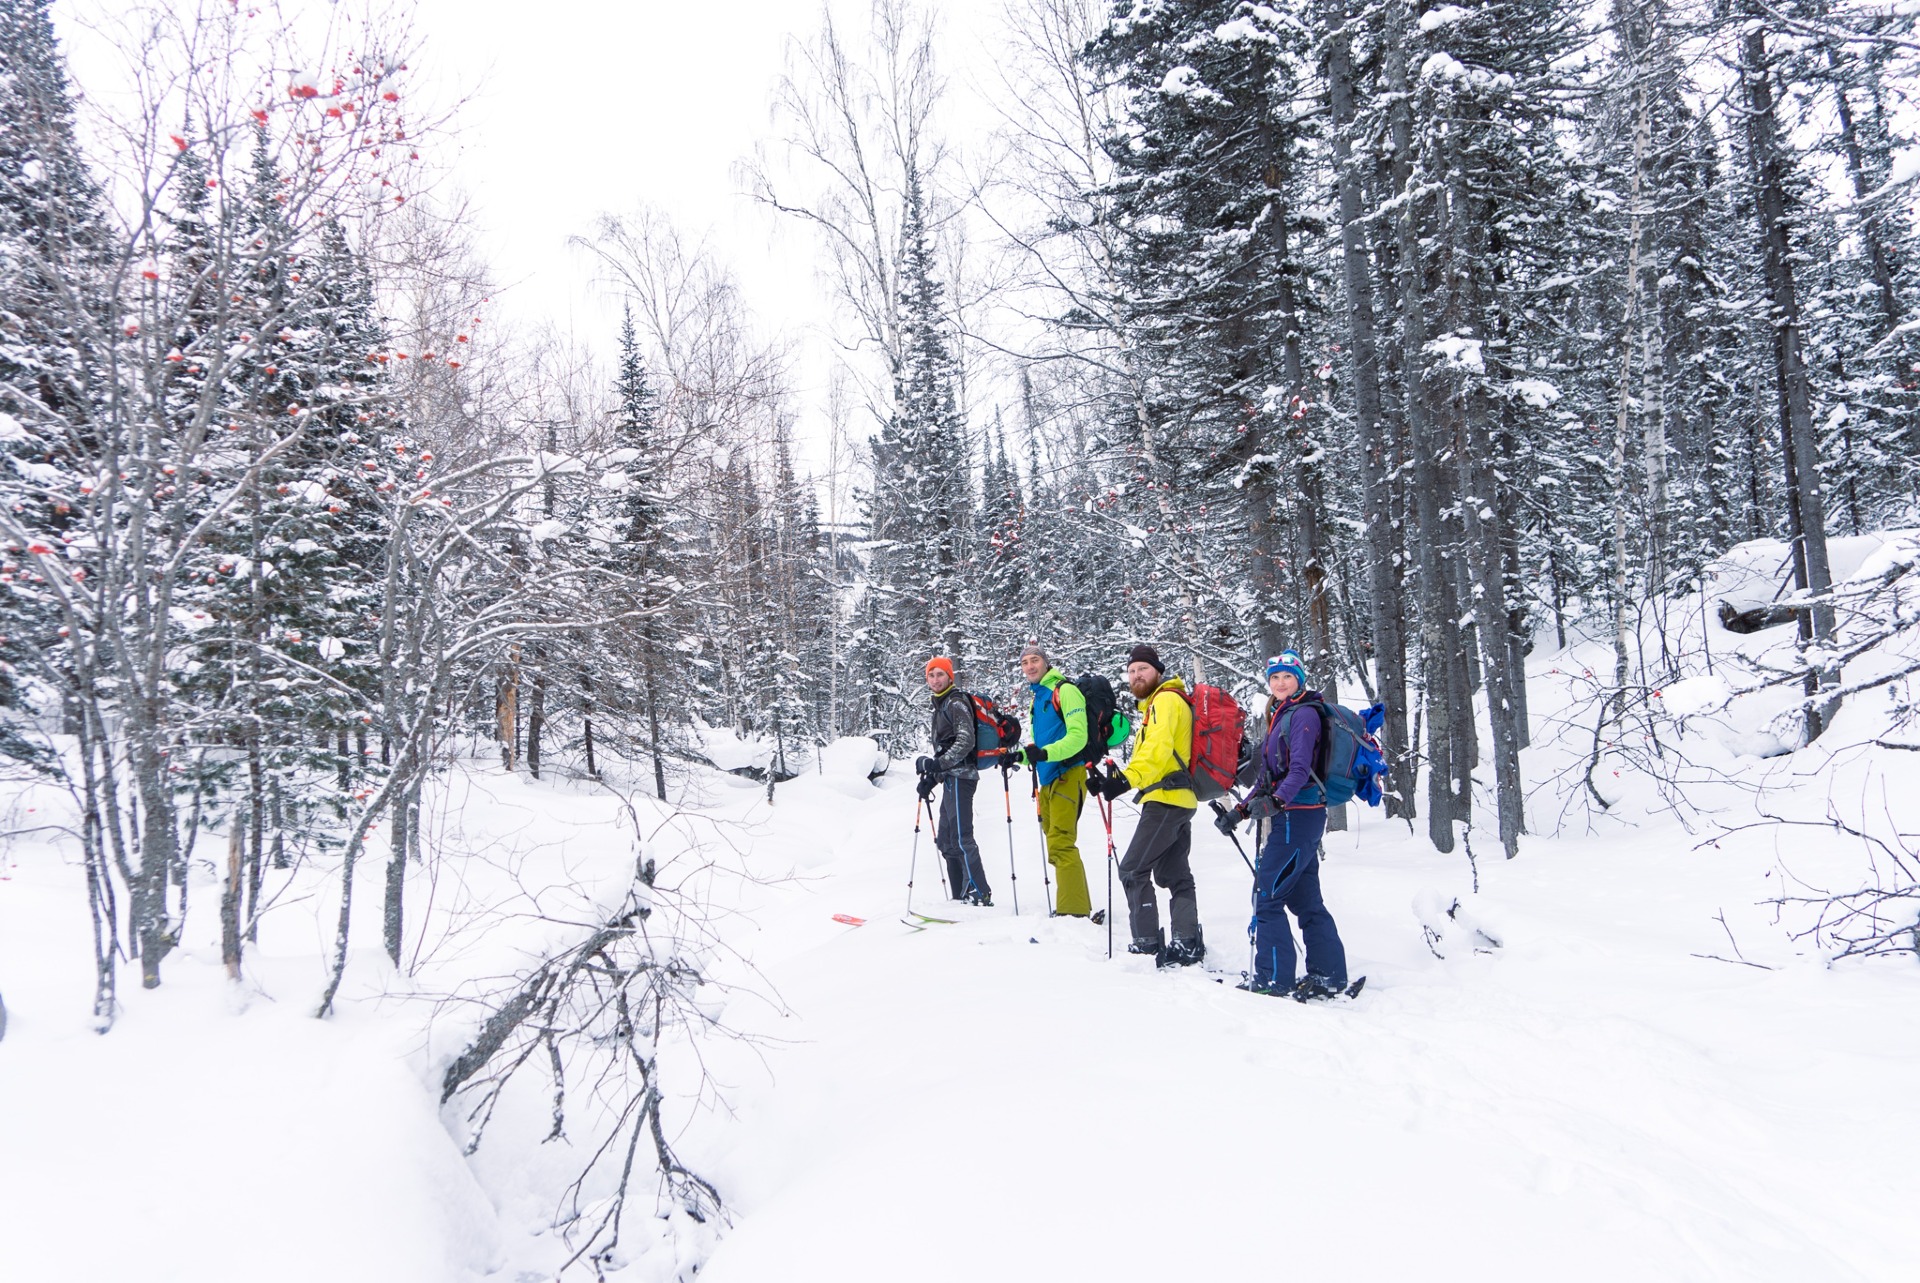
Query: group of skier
(1283, 789)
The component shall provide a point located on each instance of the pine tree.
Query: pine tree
(1207, 191)
(54, 279)
(643, 555)
(920, 509)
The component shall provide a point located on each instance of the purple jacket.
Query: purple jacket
(1289, 757)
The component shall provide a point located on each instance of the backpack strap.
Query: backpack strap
(1283, 721)
(1182, 778)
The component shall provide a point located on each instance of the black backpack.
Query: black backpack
(1106, 728)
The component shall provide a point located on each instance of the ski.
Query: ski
(1351, 991)
(849, 920)
(921, 921)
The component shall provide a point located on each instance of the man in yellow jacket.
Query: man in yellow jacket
(1162, 752)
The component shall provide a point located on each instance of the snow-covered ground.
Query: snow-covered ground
(1650, 1078)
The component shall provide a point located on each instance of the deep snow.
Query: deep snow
(1615, 1091)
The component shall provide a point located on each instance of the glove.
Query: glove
(1031, 755)
(1111, 785)
(1227, 820)
(926, 786)
(923, 765)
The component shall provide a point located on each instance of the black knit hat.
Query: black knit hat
(1145, 654)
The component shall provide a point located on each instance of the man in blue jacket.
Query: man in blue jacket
(1058, 715)
(1287, 877)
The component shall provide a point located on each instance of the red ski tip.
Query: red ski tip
(849, 919)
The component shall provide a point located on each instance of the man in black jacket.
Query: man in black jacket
(952, 767)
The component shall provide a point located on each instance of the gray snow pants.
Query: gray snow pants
(1158, 853)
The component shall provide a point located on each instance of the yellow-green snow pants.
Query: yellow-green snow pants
(1060, 805)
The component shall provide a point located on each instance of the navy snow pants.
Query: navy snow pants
(953, 836)
(1287, 878)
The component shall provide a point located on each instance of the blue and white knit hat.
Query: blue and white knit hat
(1288, 661)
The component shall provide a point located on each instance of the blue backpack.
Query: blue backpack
(1349, 763)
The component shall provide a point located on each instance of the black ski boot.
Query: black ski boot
(981, 900)
(1316, 989)
(1154, 945)
(1098, 917)
(1185, 953)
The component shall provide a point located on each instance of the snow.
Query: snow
(10, 429)
(1442, 16)
(728, 750)
(1442, 66)
(1458, 352)
(1537, 393)
(1609, 1057)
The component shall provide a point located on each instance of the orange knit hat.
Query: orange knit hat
(941, 662)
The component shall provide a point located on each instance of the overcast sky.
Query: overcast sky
(582, 108)
(594, 108)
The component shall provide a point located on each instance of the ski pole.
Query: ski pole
(1106, 817)
(1006, 791)
(913, 861)
(1233, 837)
(1046, 880)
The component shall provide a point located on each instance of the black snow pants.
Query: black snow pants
(1158, 853)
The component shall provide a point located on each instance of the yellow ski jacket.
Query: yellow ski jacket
(1164, 745)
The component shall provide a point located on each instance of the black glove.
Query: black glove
(923, 765)
(1031, 755)
(1111, 785)
(926, 786)
(1227, 820)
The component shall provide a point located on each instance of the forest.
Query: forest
(1418, 337)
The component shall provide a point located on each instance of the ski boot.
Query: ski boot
(1313, 988)
(1154, 946)
(1185, 953)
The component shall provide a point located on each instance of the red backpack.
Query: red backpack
(995, 731)
(1219, 724)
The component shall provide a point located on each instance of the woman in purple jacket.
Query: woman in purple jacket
(1287, 877)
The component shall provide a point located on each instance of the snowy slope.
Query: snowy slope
(995, 1099)
(1656, 1075)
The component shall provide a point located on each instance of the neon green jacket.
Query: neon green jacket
(1164, 745)
(1061, 731)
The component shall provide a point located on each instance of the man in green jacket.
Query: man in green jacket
(1057, 713)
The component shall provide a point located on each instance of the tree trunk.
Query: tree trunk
(1800, 446)
(400, 841)
(507, 709)
(1388, 612)
(653, 725)
(586, 720)
(536, 711)
(1440, 666)
(230, 896)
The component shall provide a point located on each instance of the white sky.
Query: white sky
(582, 108)
(600, 107)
